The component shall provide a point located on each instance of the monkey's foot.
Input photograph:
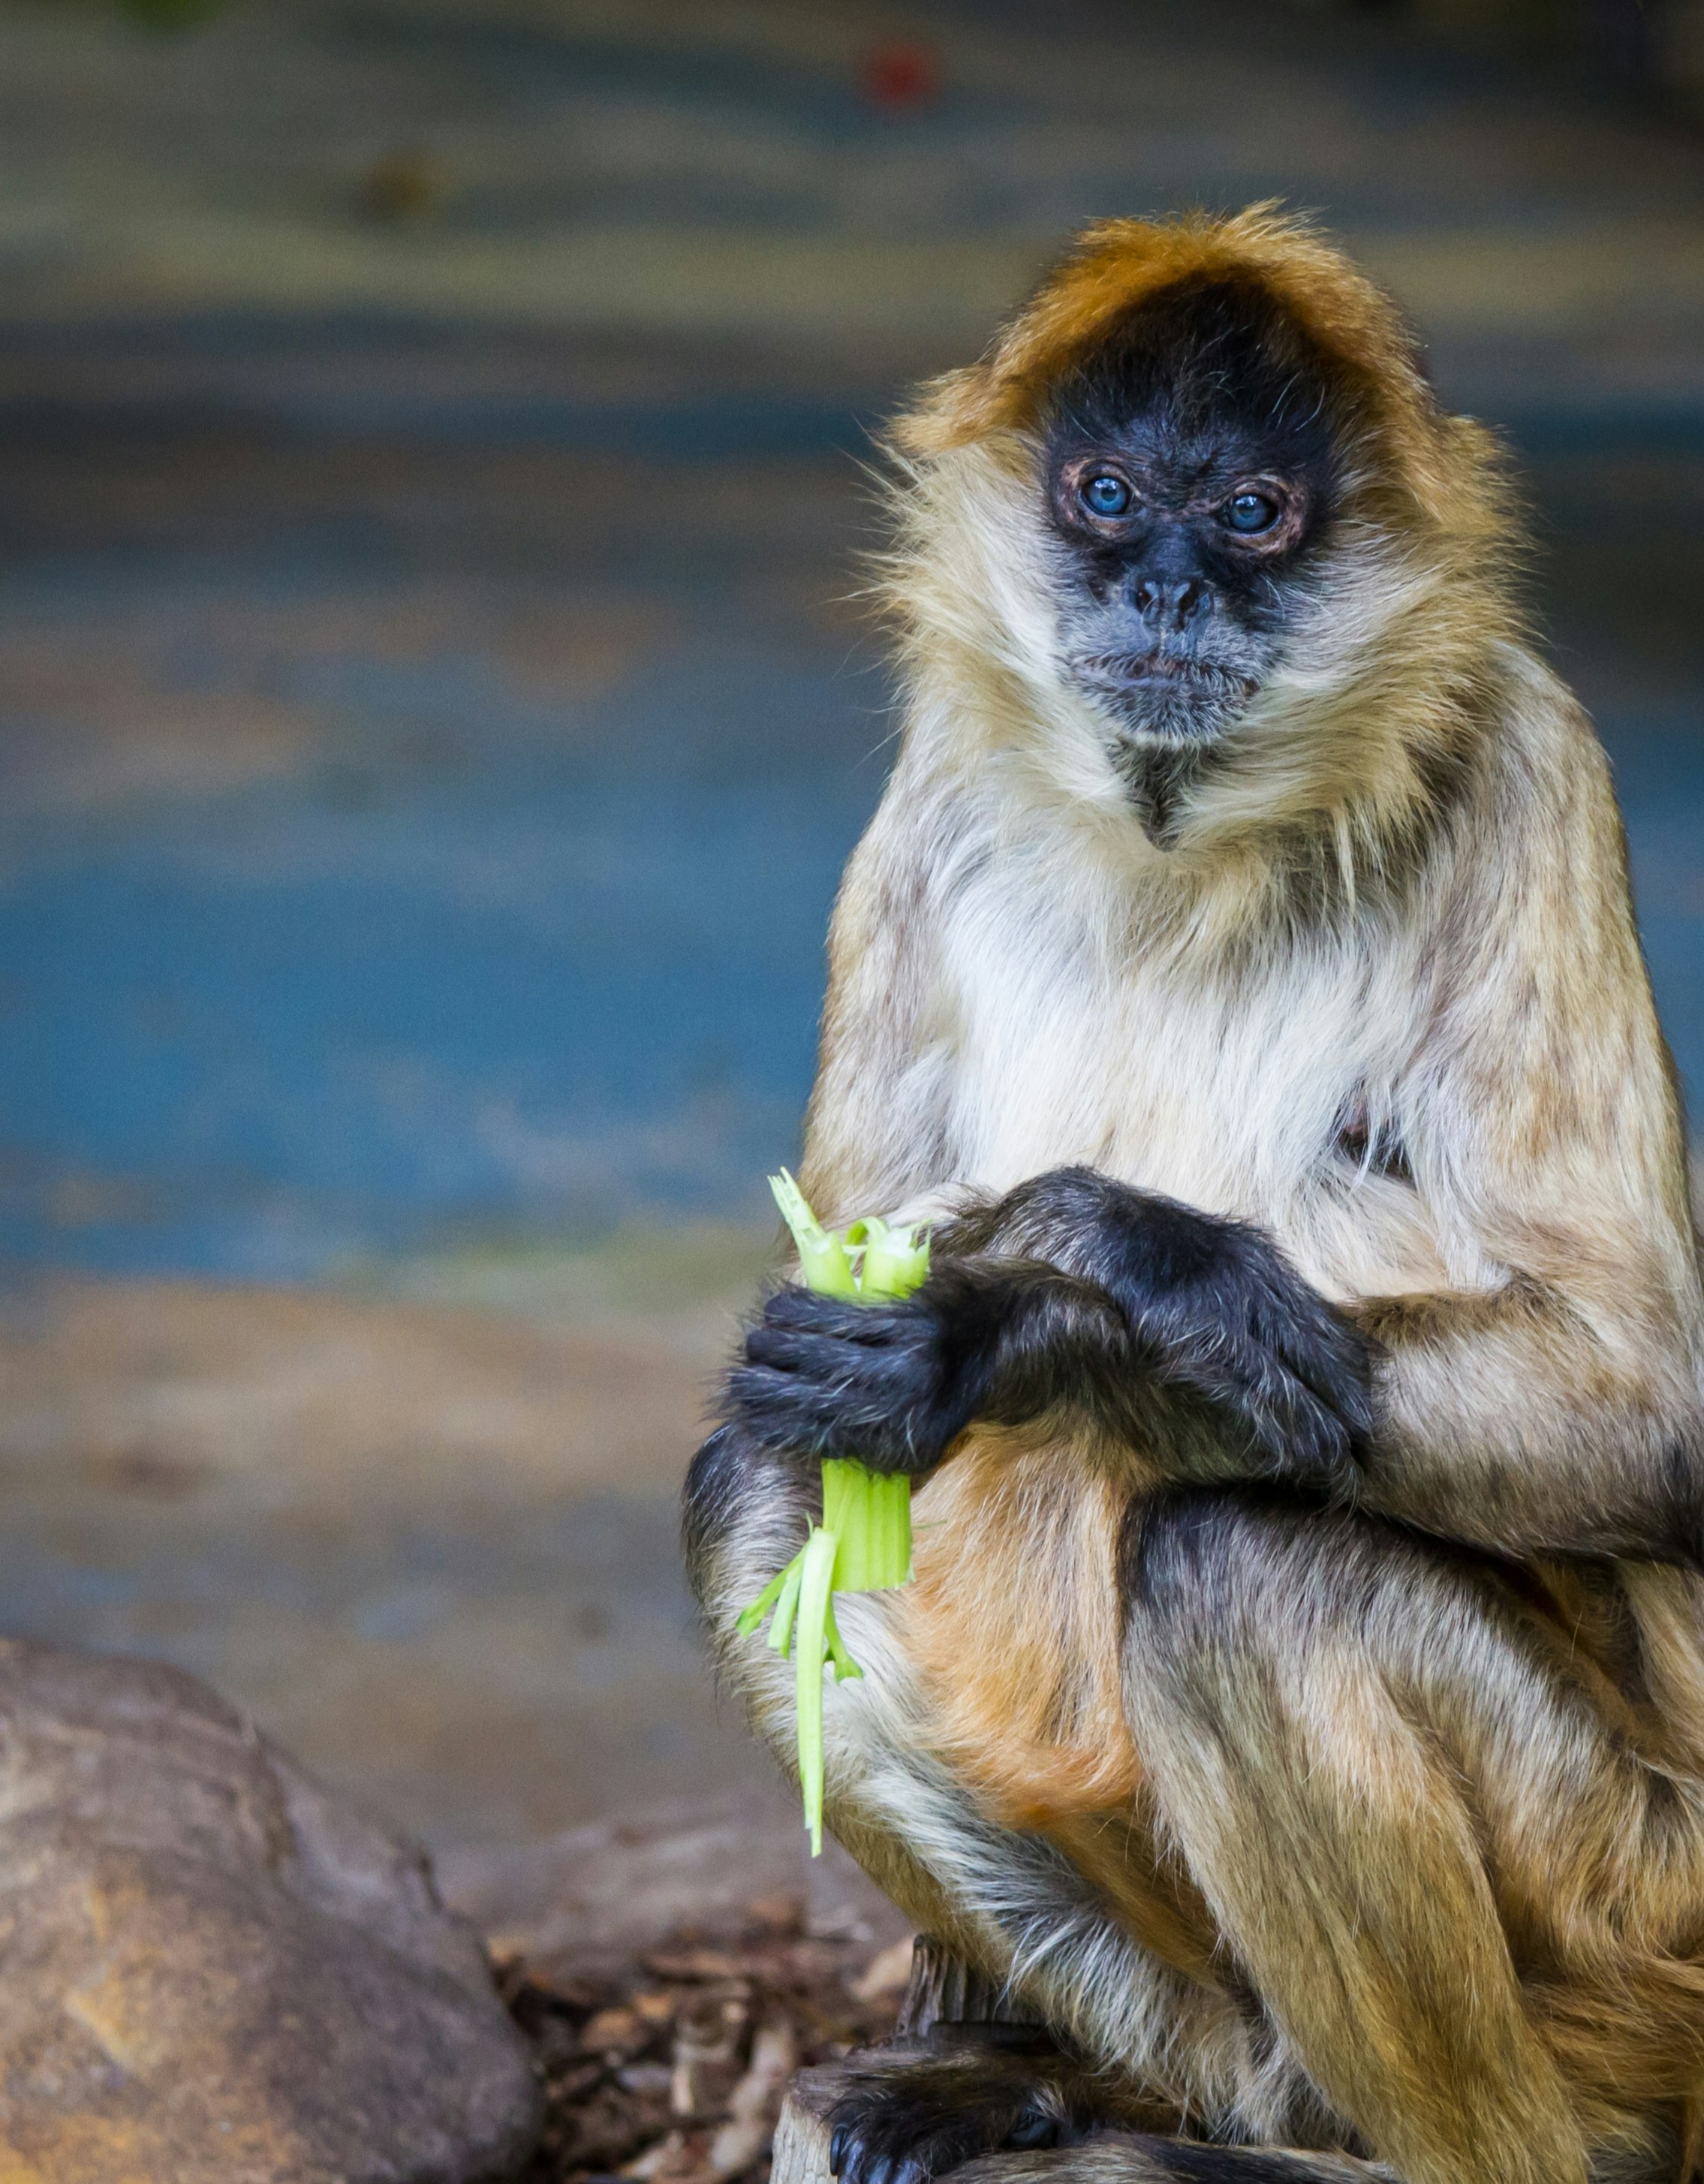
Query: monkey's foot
(912, 2118)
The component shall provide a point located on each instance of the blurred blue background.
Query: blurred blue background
(435, 705)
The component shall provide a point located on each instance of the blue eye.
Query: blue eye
(1249, 512)
(1105, 494)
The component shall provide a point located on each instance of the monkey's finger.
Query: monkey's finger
(782, 1412)
(1326, 1351)
(776, 1347)
(1293, 1377)
(897, 2141)
(1308, 1442)
(826, 1356)
(1034, 2126)
(833, 1414)
(806, 1310)
(1304, 1436)
(1343, 1385)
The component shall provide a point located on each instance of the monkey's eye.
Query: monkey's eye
(1105, 494)
(1251, 512)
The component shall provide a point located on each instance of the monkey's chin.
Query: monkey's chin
(1164, 730)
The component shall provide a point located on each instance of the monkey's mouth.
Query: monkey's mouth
(1162, 698)
(1117, 674)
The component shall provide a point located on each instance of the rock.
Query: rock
(212, 1970)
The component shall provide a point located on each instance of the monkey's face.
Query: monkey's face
(1190, 484)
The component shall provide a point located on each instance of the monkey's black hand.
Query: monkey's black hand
(1188, 1336)
(1225, 1314)
(891, 1384)
(1226, 1364)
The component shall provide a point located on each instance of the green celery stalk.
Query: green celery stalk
(823, 1258)
(870, 1514)
(864, 1542)
(896, 1261)
(810, 1650)
(781, 1630)
(751, 1617)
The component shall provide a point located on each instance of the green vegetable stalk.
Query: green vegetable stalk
(863, 1541)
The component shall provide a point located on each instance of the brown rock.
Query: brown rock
(211, 1971)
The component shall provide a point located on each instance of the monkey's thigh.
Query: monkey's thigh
(1347, 1731)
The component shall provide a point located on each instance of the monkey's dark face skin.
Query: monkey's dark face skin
(1191, 479)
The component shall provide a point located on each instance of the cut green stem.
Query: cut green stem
(815, 1586)
(864, 1542)
(781, 1630)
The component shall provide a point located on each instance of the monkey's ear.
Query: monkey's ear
(955, 410)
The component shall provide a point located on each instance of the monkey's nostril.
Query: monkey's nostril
(1172, 606)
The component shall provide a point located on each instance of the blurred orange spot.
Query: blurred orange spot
(901, 76)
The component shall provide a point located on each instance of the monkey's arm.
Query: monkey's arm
(1187, 1340)
(1552, 1416)
(1554, 1404)
(1559, 1410)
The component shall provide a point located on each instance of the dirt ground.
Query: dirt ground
(671, 2066)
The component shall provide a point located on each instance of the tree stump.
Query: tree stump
(801, 2135)
(947, 2000)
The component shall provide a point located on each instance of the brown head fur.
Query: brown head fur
(1447, 463)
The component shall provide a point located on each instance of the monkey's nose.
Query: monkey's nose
(1171, 605)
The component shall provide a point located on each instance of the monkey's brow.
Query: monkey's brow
(1152, 443)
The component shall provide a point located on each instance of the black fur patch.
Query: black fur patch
(729, 1472)
(1217, 1310)
(1130, 2160)
(1231, 2165)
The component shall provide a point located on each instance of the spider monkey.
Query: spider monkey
(1300, 1700)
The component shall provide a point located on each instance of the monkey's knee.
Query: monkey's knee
(1297, 1637)
(1222, 1593)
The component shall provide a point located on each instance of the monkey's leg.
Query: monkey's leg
(1332, 1715)
(1005, 2085)
(997, 1897)
(1147, 2160)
